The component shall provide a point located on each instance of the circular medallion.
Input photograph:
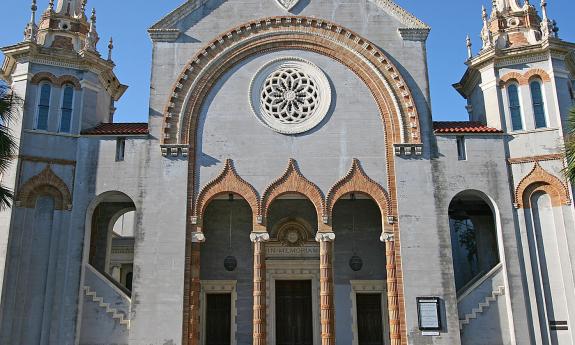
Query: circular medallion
(290, 95)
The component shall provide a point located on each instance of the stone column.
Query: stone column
(325, 240)
(392, 295)
(116, 272)
(259, 317)
(195, 289)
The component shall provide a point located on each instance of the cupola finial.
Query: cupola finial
(110, 48)
(92, 36)
(31, 28)
(486, 36)
(469, 45)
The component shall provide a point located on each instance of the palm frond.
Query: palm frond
(6, 197)
(569, 170)
(10, 103)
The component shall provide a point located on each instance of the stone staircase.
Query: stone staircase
(475, 312)
(113, 312)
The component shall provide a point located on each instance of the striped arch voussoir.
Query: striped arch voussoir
(540, 180)
(227, 182)
(292, 181)
(45, 183)
(525, 78)
(391, 92)
(357, 181)
(56, 81)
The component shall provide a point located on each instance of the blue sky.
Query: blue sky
(127, 21)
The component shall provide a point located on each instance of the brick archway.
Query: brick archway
(45, 183)
(541, 180)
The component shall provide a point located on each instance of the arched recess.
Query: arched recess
(101, 218)
(45, 183)
(292, 181)
(541, 180)
(364, 58)
(357, 181)
(474, 237)
(525, 78)
(227, 182)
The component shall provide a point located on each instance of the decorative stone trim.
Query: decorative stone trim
(292, 181)
(390, 90)
(227, 182)
(532, 159)
(175, 150)
(56, 81)
(259, 237)
(356, 180)
(45, 183)
(413, 34)
(525, 78)
(198, 237)
(407, 150)
(540, 180)
(325, 237)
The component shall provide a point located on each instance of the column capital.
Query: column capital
(325, 237)
(198, 237)
(259, 237)
(387, 237)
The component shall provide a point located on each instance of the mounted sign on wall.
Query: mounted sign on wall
(428, 315)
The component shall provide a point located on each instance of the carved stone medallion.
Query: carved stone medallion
(293, 234)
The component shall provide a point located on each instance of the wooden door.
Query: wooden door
(369, 319)
(218, 319)
(294, 322)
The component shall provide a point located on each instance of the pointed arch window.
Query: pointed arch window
(66, 110)
(515, 107)
(538, 104)
(43, 107)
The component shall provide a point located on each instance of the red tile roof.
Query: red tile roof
(118, 129)
(462, 127)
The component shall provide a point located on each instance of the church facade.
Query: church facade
(290, 186)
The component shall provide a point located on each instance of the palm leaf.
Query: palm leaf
(570, 146)
(6, 198)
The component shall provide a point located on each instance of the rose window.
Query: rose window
(290, 95)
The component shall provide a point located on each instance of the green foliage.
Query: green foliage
(9, 104)
(570, 146)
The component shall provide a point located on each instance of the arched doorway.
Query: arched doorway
(360, 274)
(473, 238)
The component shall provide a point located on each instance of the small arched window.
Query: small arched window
(66, 110)
(515, 107)
(43, 107)
(538, 104)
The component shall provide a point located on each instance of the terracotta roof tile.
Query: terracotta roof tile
(118, 129)
(462, 127)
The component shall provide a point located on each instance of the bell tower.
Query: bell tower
(66, 86)
(521, 80)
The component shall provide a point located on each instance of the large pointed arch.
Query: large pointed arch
(356, 180)
(292, 181)
(228, 181)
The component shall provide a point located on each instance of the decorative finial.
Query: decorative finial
(486, 31)
(494, 9)
(544, 9)
(31, 28)
(110, 48)
(51, 6)
(83, 8)
(92, 36)
(469, 44)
